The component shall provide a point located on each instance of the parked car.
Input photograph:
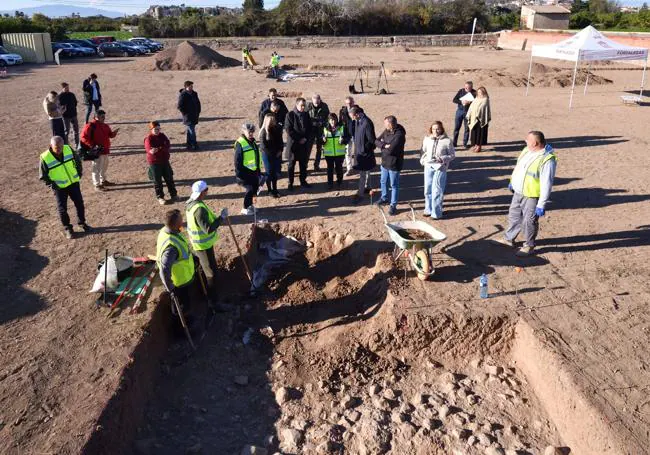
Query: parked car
(147, 42)
(117, 50)
(86, 51)
(141, 50)
(7, 58)
(83, 43)
(102, 39)
(67, 50)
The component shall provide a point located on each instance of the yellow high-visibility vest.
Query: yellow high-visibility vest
(251, 154)
(532, 186)
(200, 239)
(183, 268)
(62, 173)
(332, 146)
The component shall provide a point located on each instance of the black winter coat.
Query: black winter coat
(364, 144)
(345, 118)
(190, 106)
(298, 126)
(457, 100)
(88, 92)
(392, 157)
(265, 108)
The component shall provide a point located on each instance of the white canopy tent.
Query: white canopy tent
(586, 46)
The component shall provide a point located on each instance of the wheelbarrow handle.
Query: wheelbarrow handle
(412, 211)
(382, 213)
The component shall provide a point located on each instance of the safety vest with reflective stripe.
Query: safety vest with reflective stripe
(200, 239)
(62, 173)
(250, 154)
(275, 61)
(532, 186)
(183, 268)
(332, 146)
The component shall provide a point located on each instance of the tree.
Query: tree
(644, 7)
(253, 5)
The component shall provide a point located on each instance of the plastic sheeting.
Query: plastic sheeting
(273, 255)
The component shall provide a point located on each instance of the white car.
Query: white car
(7, 58)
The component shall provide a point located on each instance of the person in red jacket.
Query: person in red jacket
(98, 133)
(157, 147)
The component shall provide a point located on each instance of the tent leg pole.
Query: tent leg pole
(573, 84)
(645, 66)
(587, 79)
(530, 69)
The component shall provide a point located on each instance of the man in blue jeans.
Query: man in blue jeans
(391, 143)
(190, 107)
(461, 112)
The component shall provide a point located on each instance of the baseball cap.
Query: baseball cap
(198, 188)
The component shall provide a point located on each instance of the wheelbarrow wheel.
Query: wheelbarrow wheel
(423, 263)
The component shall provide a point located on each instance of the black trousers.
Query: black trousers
(183, 294)
(160, 172)
(302, 159)
(334, 162)
(73, 192)
(58, 128)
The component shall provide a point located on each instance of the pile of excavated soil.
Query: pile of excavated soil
(541, 76)
(191, 56)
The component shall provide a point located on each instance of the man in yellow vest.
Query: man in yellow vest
(275, 65)
(202, 224)
(175, 259)
(60, 169)
(248, 166)
(531, 183)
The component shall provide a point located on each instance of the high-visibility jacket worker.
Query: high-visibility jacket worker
(248, 166)
(250, 154)
(173, 253)
(202, 224)
(333, 142)
(275, 60)
(531, 183)
(60, 169)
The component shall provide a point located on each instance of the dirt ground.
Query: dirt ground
(347, 320)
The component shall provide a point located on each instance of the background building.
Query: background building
(535, 17)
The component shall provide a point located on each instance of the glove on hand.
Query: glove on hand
(539, 211)
(512, 190)
(224, 214)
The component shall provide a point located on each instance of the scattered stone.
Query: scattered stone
(398, 417)
(449, 387)
(277, 365)
(494, 451)
(253, 450)
(381, 403)
(493, 370)
(555, 450)
(472, 399)
(348, 402)
(483, 438)
(406, 408)
(282, 395)
(459, 420)
(291, 439)
(515, 452)
(374, 389)
(196, 448)
(419, 398)
(433, 364)
(300, 424)
(448, 377)
(408, 430)
(436, 400)
(241, 380)
(444, 411)
(481, 378)
(353, 416)
(390, 394)
(323, 385)
(431, 424)
(460, 433)
(472, 440)
(475, 363)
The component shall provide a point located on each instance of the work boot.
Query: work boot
(68, 232)
(305, 184)
(356, 199)
(85, 227)
(290, 187)
(100, 188)
(107, 183)
(195, 146)
(525, 251)
(504, 241)
(392, 210)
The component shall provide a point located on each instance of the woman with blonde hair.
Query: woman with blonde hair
(271, 146)
(437, 153)
(478, 119)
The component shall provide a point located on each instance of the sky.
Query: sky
(126, 6)
(139, 6)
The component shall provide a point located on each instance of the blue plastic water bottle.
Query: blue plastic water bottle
(483, 286)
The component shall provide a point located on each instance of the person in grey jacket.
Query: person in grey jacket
(531, 184)
(437, 153)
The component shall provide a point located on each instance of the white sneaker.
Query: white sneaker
(249, 211)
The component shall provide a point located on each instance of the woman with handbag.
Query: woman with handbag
(437, 152)
(157, 146)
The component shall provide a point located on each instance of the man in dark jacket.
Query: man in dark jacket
(265, 108)
(69, 102)
(248, 166)
(344, 117)
(298, 126)
(92, 95)
(318, 113)
(461, 112)
(190, 106)
(391, 143)
(364, 148)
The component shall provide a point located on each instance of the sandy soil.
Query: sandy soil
(584, 294)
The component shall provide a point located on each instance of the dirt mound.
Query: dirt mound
(191, 56)
(541, 76)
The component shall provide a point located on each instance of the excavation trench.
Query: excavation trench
(332, 359)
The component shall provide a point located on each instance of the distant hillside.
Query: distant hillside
(65, 10)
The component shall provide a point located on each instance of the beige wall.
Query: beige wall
(551, 21)
(32, 47)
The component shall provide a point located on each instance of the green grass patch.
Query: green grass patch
(119, 35)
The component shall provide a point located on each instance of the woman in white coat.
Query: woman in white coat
(437, 153)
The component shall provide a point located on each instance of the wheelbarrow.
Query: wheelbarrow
(414, 240)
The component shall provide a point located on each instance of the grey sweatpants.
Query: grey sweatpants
(521, 217)
(209, 265)
(364, 182)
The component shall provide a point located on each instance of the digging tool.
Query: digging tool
(124, 292)
(183, 322)
(248, 272)
(145, 288)
(204, 287)
(105, 273)
(382, 72)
